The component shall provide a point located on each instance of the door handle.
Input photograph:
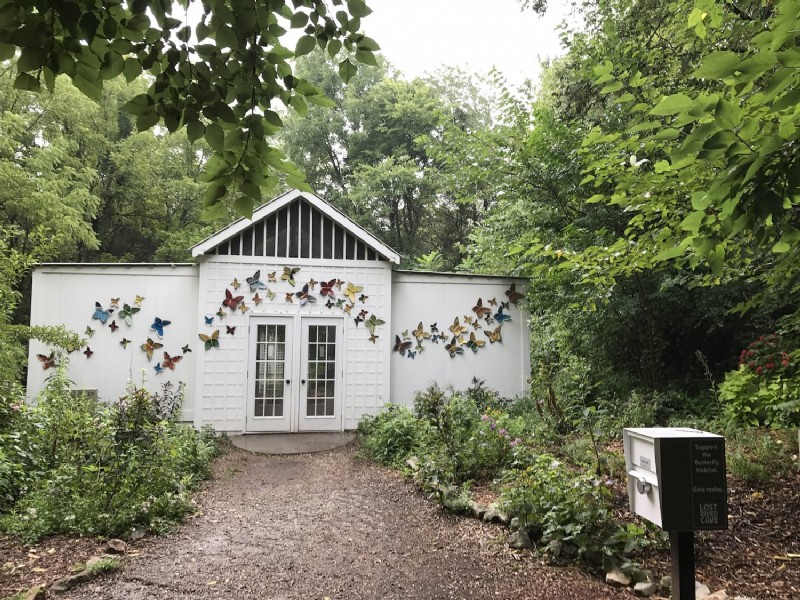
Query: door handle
(288, 381)
(303, 381)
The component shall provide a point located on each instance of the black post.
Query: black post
(681, 547)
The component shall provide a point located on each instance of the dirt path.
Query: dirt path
(329, 525)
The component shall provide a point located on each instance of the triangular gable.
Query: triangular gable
(296, 225)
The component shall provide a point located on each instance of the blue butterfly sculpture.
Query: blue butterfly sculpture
(255, 282)
(100, 314)
(158, 368)
(209, 320)
(501, 317)
(158, 326)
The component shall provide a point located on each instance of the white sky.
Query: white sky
(422, 35)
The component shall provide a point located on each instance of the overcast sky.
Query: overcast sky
(422, 35)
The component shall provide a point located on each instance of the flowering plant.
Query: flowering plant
(765, 356)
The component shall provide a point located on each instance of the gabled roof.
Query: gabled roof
(326, 217)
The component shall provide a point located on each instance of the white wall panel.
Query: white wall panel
(440, 298)
(66, 294)
(222, 373)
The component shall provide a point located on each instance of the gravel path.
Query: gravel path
(331, 526)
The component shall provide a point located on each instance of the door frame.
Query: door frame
(333, 423)
(253, 424)
(295, 372)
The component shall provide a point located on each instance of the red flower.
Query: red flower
(759, 370)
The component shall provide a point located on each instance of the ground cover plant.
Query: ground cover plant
(559, 472)
(73, 465)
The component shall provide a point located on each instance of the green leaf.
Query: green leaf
(670, 253)
(305, 45)
(297, 103)
(781, 246)
(132, 69)
(214, 193)
(27, 82)
(609, 88)
(366, 57)
(672, 105)
(789, 100)
(727, 114)
(299, 19)
(215, 137)
(113, 65)
(7, 51)
(693, 221)
(347, 70)
(225, 112)
(146, 121)
(195, 130)
(358, 8)
(141, 104)
(718, 65)
(333, 48)
(31, 59)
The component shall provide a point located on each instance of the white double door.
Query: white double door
(294, 377)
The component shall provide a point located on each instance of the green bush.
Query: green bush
(571, 511)
(98, 469)
(391, 436)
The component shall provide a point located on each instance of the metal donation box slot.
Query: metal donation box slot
(676, 477)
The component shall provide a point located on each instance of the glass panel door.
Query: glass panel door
(320, 391)
(269, 380)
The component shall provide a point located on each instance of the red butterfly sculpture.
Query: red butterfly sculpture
(231, 301)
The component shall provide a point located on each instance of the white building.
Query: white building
(295, 320)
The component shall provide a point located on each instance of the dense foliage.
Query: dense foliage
(74, 465)
(452, 440)
(564, 489)
(215, 69)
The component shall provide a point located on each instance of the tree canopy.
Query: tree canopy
(219, 74)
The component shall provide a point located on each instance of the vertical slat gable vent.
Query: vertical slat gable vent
(298, 230)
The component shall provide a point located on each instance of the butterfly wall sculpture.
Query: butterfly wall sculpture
(231, 330)
(513, 295)
(482, 315)
(210, 341)
(113, 326)
(351, 290)
(255, 282)
(371, 323)
(158, 326)
(231, 301)
(89, 331)
(124, 343)
(303, 296)
(127, 312)
(170, 361)
(88, 352)
(401, 346)
(289, 273)
(326, 288)
(100, 314)
(149, 347)
(48, 362)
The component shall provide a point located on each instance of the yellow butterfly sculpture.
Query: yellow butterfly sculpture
(351, 290)
(475, 344)
(150, 346)
(457, 328)
(420, 333)
(494, 336)
(138, 300)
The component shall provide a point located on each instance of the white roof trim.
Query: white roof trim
(281, 201)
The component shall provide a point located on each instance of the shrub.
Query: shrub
(391, 436)
(571, 511)
(101, 469)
